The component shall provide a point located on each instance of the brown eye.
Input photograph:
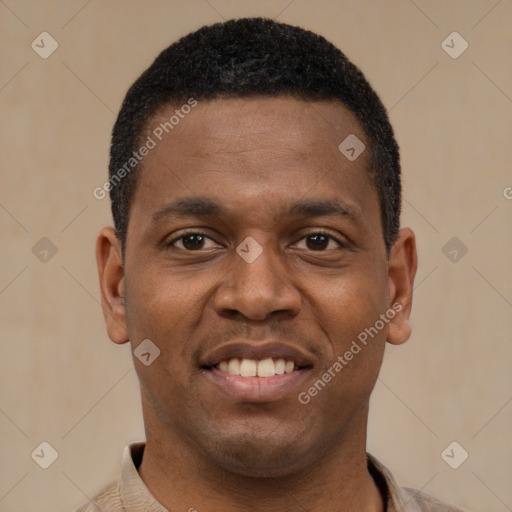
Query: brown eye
(192, 241)
(320, 241)
(316, 242)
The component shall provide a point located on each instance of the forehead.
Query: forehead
(248, 152)
(305, 126)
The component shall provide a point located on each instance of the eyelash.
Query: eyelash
(198, 232)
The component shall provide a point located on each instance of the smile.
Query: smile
(253, 368)
(263, 372)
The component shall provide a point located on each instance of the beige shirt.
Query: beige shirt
(129, 493)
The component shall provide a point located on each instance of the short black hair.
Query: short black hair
(248, 57)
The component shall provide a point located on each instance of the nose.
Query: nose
(258, 289)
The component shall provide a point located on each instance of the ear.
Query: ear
(402, 266)
(111, 273)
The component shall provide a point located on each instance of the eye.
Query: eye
(192, 241)
(320, 241)
(196, 241)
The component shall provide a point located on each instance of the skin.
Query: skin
(206, 449)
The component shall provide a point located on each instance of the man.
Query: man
(257, 268)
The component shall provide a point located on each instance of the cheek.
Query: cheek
(159, 300)
(349, 306)
(167, 311)
(349, 372)
(348, 312)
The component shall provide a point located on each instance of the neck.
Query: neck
(182, 478)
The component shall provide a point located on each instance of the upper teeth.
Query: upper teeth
(252, 368)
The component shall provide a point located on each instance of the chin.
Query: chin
(250, 457)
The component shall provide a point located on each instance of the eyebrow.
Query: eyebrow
(202, 207)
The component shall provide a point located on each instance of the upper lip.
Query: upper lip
(261, 350)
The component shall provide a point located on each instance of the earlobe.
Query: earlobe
(403, 263)
(399, 329)
(112, 285)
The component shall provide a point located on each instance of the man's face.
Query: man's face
(262, 274)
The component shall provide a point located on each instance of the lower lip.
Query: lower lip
(258, 389)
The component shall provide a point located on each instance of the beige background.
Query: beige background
(64, 382)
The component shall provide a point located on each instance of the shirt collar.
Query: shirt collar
(136, 496)
(134, 493)
(394, 497)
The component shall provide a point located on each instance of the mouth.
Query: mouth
(263, 373)
(263, 368)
